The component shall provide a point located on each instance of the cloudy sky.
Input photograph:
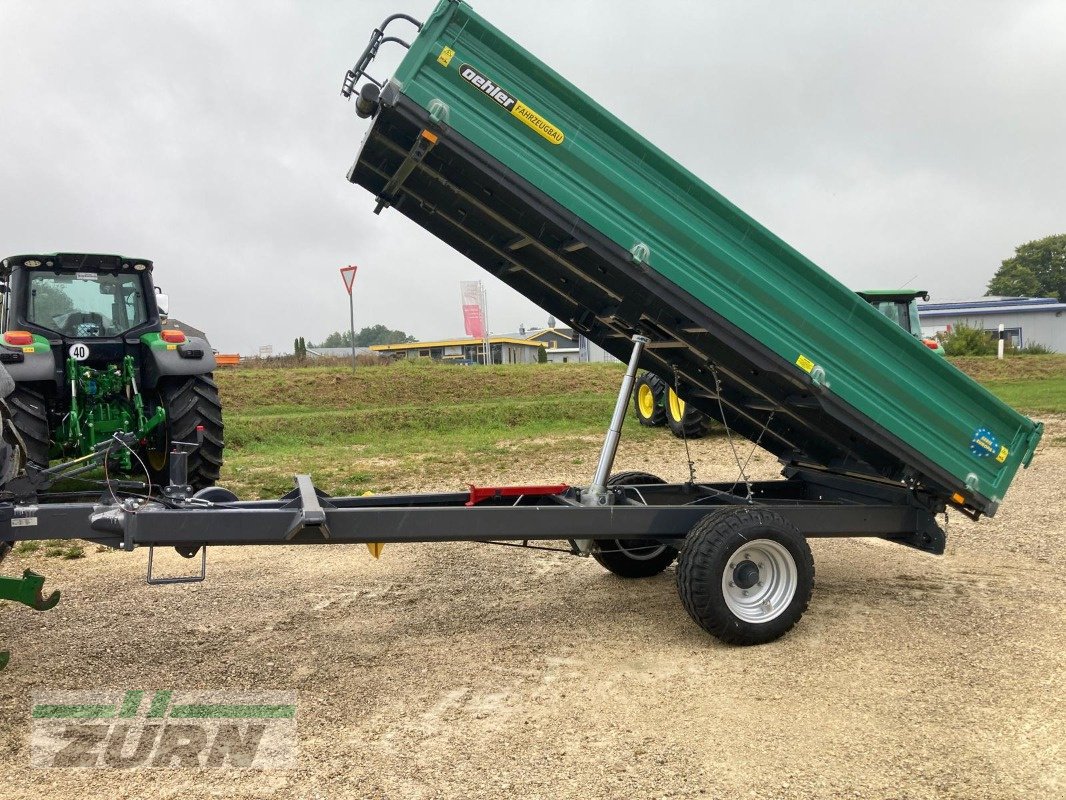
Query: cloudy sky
(893, 142)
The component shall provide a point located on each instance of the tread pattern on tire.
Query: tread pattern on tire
(658, 388)
(29, 413)
(190, 402)
(701, 562)
(694, 423)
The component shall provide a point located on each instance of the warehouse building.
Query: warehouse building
(505, 350)
(1025, 320)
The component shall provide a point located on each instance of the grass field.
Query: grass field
(394, 428)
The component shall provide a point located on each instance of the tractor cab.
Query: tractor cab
(92, 308)
(901, 307)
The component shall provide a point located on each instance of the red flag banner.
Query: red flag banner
(473, 316)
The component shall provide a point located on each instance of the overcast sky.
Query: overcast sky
(891, 142)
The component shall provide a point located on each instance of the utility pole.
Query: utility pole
(485, 322)
(348, 276)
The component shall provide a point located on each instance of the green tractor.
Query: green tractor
(84, 344)
(901, 307)
(656, 403)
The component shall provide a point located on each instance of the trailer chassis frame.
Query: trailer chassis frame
(819, 504)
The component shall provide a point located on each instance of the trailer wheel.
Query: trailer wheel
(633, 558)
(745, 575)
(648, 397)
(684, 420)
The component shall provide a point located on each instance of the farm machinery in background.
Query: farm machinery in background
(87, 357)
(656, 403)
(89, 375)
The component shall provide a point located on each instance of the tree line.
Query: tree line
(371, 335)
(1037, 269)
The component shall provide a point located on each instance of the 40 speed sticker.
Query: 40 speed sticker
(510, 103)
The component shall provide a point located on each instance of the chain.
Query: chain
(729, 433)
(684, 434)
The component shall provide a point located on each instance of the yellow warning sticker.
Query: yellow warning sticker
(172, 347)
(27, 350)
(804, 363)
(445, 57)
(537, 123)
(1001, 456)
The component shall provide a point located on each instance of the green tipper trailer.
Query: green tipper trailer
(494, 153)
(498, 155)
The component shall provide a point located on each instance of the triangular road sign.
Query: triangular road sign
(348, 275)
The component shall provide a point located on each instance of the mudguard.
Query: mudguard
(162, 360)
(37, 362)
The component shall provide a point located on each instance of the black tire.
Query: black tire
(683, 419)
(745, 551)
(649, 393)
(189, 402)
(29, 413)
(633, 558)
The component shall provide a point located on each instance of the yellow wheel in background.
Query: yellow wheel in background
(675, 406)
(648, 400)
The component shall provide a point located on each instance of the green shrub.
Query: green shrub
(963, 340)
(1035, 349)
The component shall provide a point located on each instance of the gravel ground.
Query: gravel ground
(472, 671)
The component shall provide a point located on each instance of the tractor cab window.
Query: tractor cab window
(899, 313)
(86, 305)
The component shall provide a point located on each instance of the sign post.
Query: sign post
(475, 314)
(348, 276)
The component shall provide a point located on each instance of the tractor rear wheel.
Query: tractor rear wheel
(684, 420)
(190, 402)
(29, 413)
(648, 399)
(633, 558)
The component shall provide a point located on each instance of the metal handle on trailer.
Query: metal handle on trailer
(377, 38)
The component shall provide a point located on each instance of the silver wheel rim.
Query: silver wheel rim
(759, 580)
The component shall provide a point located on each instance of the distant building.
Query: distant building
(1025, 320)
(566, 346)
(338, 352)
(505, 350)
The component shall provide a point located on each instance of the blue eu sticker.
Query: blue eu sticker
(984, 443)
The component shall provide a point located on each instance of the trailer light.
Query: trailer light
(18, 338)
(173, 337)
(932, 344)
(958, 498)
(31, 262)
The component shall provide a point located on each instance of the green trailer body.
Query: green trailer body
(495, 153)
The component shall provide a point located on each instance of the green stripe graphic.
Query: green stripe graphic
(224, 711)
